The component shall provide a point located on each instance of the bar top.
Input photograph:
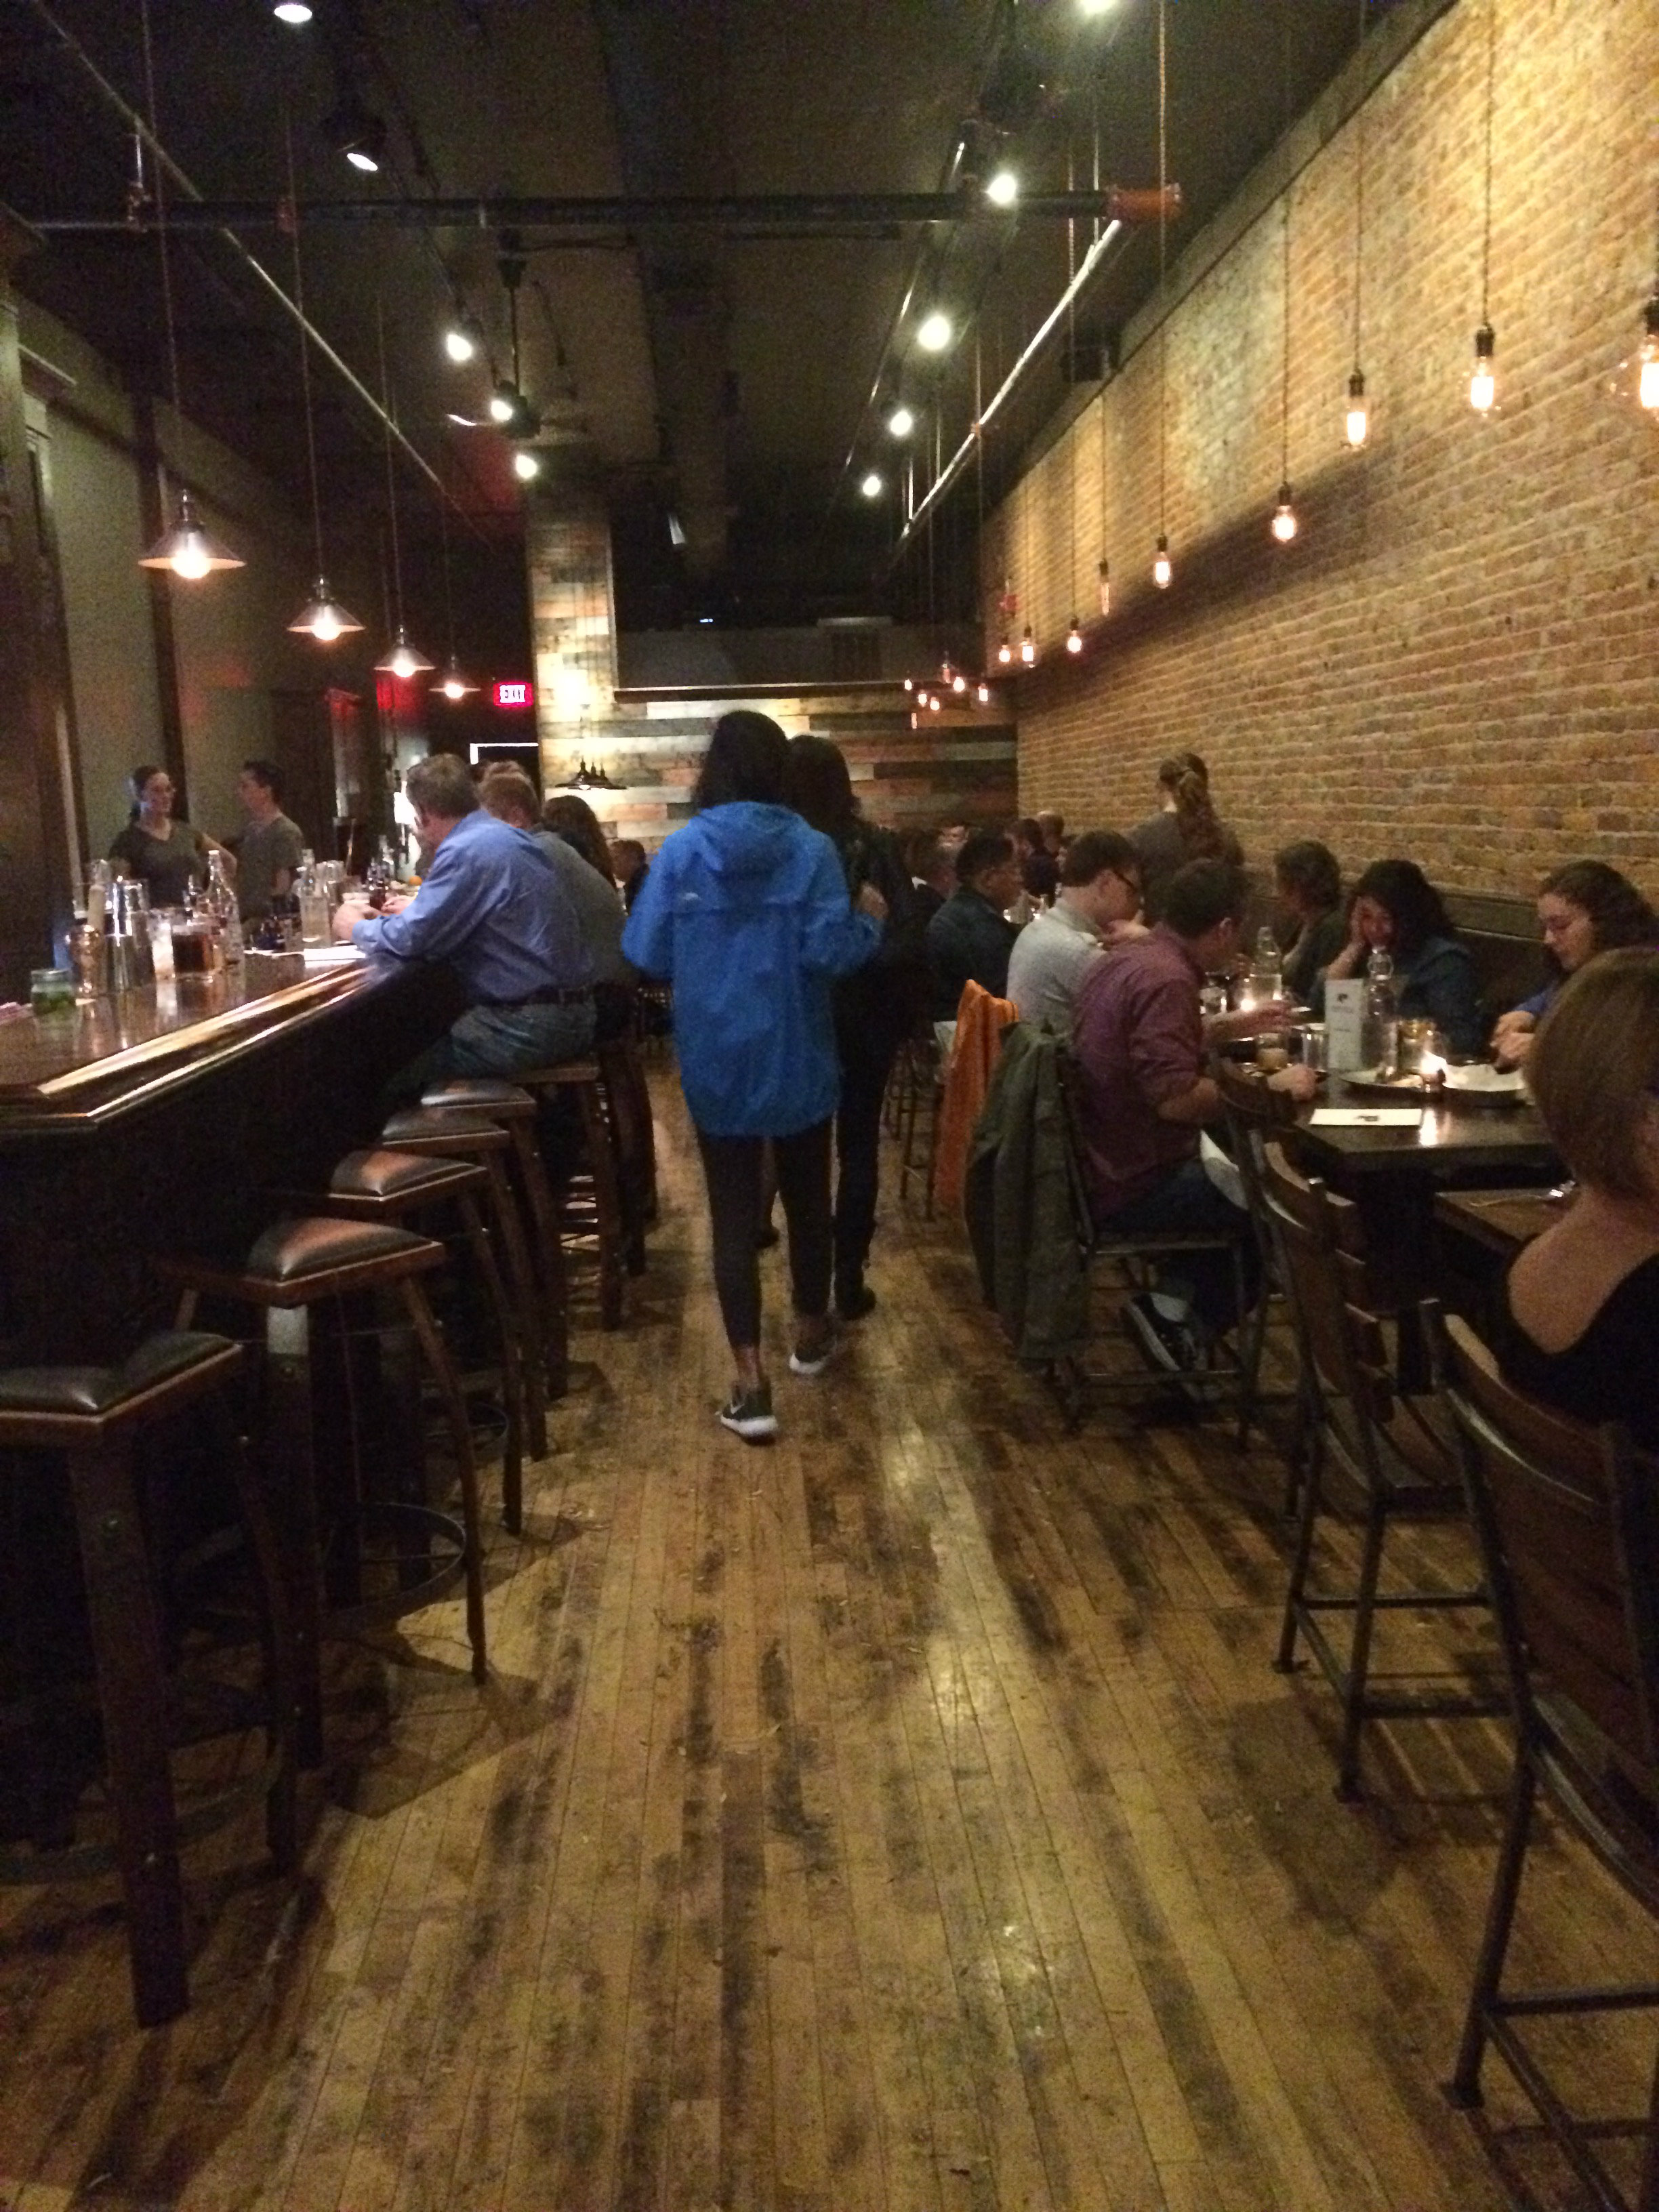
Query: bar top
(74, 1073)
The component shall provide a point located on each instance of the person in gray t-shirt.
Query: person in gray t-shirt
(1096, 908)
(268, 857)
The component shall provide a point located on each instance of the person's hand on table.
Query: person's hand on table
(870, 901)
(1271, 1014)
(1301, 1082)
(351, 911)
(1511, 1038)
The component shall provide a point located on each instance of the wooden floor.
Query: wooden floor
(908, 1816)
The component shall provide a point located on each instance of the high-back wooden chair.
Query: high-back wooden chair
(1568, 1523)
(1395, 1453)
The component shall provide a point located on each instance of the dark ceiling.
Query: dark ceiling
(718, 374)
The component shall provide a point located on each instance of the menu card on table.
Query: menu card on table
(1365, 1117)
(1344, 1014)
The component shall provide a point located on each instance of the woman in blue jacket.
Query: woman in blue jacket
(745, 912)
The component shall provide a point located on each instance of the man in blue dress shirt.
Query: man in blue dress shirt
(492, 909)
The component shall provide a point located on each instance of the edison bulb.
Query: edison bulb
(935, 702)
(1162, 570)
(1027, 647)
(326, 628)
(1647, 382)
(190, 561)
(984, 695)
(1483, 382)
(1283, 522)
(958, 682)
(1004, 653)
(1105, 588)
(1356, 422)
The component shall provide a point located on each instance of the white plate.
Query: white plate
(1486, 1082)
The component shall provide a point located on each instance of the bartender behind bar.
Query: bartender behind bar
(493, 909)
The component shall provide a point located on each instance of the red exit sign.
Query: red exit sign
(513, 695)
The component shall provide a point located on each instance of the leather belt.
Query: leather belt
(552, 994)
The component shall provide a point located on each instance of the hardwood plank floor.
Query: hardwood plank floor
(906, 1818)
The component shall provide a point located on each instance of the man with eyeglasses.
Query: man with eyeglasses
(1095, 908)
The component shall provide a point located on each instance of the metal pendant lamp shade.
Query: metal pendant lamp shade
(323, 617)
(455, 683)
(404, 660)
(188, 550)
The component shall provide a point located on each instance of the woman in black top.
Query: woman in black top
(159, 848)
(1185, 827)
(875, 1008)
(1581, 1314)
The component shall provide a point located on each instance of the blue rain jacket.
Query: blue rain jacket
(746, 913)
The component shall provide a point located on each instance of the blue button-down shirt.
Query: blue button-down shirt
(494, 907)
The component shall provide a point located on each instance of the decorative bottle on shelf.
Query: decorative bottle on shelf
(315, 908)
(222, 905)
(1382, 1042)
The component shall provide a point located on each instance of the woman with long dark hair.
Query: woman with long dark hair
(1397, 910)
(876, 1007)
(1185, 827)
(165, 854)
(745, 912)
(1583, 908)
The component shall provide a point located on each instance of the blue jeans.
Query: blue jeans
(1187, 1201)
(497, 1041)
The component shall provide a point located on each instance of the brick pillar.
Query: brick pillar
(572, 622)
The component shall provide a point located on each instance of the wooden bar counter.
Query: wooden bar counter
(162, 1121)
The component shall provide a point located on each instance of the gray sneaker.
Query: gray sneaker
(1170, 1346)
(748, 1415)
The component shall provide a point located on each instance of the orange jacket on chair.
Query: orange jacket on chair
(981, 1019)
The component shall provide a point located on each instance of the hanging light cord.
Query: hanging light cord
(391, 475)
(1358, 194)
(1486, 234)
(449, 596)
(1162, 245)
(1284, 370)
(305, 341)
(159, 173)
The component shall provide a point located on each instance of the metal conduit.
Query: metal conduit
(217, 220)
(959, 460)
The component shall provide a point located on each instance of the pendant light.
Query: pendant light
(1105, 569)
(1005, 652)
(185, 547)
(1027, 647)
(322, 617)
(403, 659)
(1357, 415)
(453, 684)
(1483, 379)
(1283, 522)
(1647, 382)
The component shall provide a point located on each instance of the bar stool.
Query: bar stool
(628, 1101)
(453, 1133)
(404, 1187)
(92, 1416)
(580, 1081)
(293, 1266)
(513, 1105)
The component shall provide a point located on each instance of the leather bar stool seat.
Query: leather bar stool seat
(293, 1266)
(92, 1416)
(452, 1133)
(383, 1185)
(516, 1109)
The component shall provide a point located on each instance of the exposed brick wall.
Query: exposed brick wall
(1456, 659)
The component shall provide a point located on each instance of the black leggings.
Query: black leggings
(732, 1167)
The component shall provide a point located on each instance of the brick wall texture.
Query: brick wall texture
(1456, 658)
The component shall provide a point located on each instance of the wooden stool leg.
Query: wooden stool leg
(483, 1254)
(607, 1205)
(282, 1830)
(443, 1374)
(550, 1247)
(291, 1478)
(522, 1276)
(132, 1697)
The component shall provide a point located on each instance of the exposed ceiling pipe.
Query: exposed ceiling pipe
(833, 214)
(182, 218)
(1034, 345)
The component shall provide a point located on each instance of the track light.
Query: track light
(291, 11)
(1356, 422)
(1283, 521)
(1483, 380)
(1162, 570)
(1003, 190)
(525, 466)
(187, 549)
(404, 660)
(933, 333)
(871, 485)
(323, 617)
(354, 130)
(901, 422)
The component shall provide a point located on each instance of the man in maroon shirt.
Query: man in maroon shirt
(1139, 1042)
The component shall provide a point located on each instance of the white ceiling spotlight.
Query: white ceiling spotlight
(934, 333)
(291, 11)
(901, 422)
(872, 487)
(1097, 7)
(525, 466)
(1003, 190)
